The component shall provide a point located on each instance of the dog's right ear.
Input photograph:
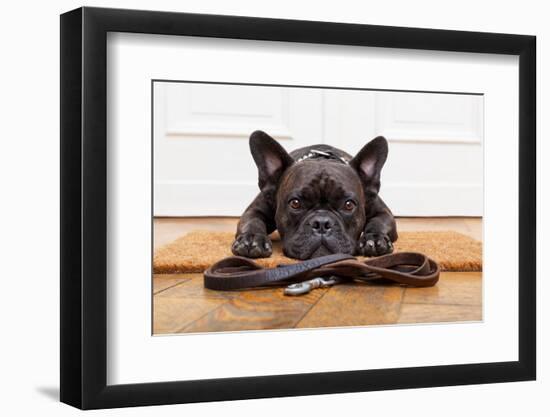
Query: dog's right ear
(270, 157)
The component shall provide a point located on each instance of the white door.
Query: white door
(203, 167)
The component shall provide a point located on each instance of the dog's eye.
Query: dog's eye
(295, 204)
(349, 205)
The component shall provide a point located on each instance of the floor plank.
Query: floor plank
(457, 288)
(163, 282)
(438, 313)
(256, 310)
(355, 305)
(170, 315)
(193, 287)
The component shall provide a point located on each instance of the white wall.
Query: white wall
(30, 205)
(435, 166)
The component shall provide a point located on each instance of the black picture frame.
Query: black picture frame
(84, 207)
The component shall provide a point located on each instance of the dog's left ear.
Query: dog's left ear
(369, 162)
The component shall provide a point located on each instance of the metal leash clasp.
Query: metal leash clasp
(305, 287)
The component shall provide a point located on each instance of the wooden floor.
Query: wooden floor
(182, 305)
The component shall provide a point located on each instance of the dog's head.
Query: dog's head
(321, 206)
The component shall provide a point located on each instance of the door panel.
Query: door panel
(202, 163)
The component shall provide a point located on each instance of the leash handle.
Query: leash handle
(237, 272)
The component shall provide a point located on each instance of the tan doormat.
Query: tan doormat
(197, 250)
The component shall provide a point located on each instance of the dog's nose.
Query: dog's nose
(321, 225)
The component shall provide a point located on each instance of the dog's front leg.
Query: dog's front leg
(379, 233)
(251, 239)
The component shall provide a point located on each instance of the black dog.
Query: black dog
(319, 198)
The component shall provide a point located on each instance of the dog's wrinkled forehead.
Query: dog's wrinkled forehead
(323, 188)
(316, 181)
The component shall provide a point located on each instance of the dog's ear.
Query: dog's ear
(270, 157)
(369, 162)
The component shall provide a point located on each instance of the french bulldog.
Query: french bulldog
(319, 198)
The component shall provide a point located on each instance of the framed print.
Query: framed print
(257, 208)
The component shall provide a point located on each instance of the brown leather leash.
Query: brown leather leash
(407, 268)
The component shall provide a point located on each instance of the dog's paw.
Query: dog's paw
(252, 246)
(374, 244)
